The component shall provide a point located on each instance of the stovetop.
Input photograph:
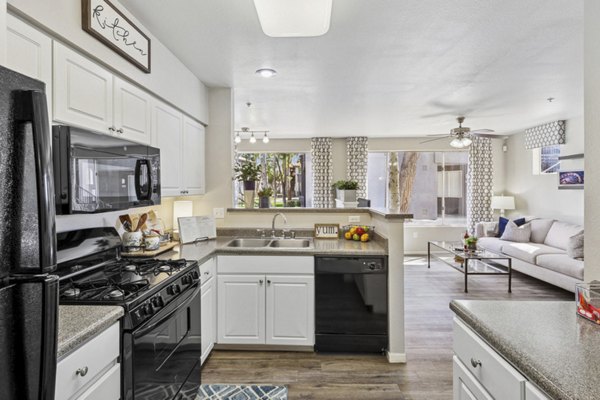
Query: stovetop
(118, 281)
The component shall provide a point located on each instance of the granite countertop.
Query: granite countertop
(78, 324)
(202, 251)
(553, 347)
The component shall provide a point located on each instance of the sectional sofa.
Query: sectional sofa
(545, 256)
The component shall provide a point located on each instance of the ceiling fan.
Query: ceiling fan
(462, 135)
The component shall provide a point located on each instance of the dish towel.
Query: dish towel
(242, 392)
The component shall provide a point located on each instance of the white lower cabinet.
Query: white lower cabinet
(257, 306)
(91, 372)
(208, 293)
(481, 373)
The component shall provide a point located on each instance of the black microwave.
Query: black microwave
(98, 173)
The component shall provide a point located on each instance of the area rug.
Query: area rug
(242, 392)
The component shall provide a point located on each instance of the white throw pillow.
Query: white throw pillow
(514, 233)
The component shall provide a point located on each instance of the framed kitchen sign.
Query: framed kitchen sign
(327, 231)
(104, 21)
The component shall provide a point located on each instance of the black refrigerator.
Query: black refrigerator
(28, 291)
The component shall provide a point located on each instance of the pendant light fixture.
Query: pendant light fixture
(252, 138)
(239, 135)
(265, 138)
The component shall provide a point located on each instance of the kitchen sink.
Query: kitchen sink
(249, 242)
(291, 243)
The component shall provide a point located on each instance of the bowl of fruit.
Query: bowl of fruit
(358, 233)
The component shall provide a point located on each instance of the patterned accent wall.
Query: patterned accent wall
(357, 158)
(322, 172)
(480, 172)
(545, 135)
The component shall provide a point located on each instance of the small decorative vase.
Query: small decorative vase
(264, 202)
(346, 195)
(249, 198)
(472, 246)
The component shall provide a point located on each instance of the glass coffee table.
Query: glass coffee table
(479, 262)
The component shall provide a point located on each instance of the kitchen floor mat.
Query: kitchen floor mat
(242, 392)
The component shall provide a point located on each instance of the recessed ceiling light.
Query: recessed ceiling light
(294, 18)
(266, 72)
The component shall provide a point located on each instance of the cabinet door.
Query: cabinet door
(193, 155)
(465, 385)
(167, 132)
(208, 317)
(108, 387)
(132, 112)
(29, 52)
(241, 309)
(533, 393)
(83, 91)
(290, 310)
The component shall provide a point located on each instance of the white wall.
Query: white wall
(169, 79)
(538, 195)
(2, 32)
(592, 138)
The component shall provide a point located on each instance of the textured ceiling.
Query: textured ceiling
(386, 68)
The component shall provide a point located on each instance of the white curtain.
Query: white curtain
(322, 172)
(357, 158)
(480, 172)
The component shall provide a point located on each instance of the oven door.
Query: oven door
(166, 351)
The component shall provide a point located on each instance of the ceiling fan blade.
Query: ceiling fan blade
(440, 134)
(432, 140)
(483, 131)
(488, 135)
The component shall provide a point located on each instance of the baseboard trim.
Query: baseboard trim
(262, 347)
(396, 358)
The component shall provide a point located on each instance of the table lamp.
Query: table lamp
(503, 203)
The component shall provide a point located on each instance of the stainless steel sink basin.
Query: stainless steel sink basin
(291, 243)
(249, 242)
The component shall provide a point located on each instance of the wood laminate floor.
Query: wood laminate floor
(428, 373)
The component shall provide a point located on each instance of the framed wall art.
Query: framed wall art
(103, 20)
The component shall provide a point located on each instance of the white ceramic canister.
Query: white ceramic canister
(133, 240)
(151, 242)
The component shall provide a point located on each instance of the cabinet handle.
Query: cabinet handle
(475, 363)
(112, 128)
(120, 130)
(268, 282)
(82, 371)
(260, 281)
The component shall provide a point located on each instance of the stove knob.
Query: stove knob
(174, 289)
(195, 275)
(186, 279)
(148, 309)
(157, 301)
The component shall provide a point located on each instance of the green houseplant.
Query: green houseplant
(264, 196)
(247, 172)
(346, 190)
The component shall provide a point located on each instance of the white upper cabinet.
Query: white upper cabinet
(193, 157)
(132, 112)
(29, 52)
(167, 135)
(83, 91)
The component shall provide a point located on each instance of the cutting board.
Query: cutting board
(192, 229)
(150, 253)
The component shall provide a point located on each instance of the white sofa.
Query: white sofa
(545, 256)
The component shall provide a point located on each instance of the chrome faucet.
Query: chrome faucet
(273, 222)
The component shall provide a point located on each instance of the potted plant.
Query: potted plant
(471, 243)
(247, 172)
(346, 190)
(264, 196)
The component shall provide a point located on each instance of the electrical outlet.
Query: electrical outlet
(219, 213)
(354, 218)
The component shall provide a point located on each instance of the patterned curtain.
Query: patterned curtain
(322, 172)
(357, 157)
(546, 135)
(393, 201)
(479, 182)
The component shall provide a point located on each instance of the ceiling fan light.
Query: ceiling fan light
(466, 142)
(457, 143)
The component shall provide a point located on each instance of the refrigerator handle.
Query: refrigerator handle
(141, 195)
(35, 110)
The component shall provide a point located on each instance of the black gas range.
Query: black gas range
(161, 334)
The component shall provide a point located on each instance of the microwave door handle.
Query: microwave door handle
(138, 180)
(33, 108)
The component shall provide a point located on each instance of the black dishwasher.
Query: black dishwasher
(351, 304)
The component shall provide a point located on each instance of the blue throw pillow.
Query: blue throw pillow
(502, 224)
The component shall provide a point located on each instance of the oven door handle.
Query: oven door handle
(145, 329)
